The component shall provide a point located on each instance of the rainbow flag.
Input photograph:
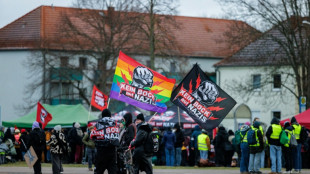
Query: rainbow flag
(140, 86)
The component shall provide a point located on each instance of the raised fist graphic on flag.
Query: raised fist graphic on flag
(43, 114)
(142, 77)
(206, 93)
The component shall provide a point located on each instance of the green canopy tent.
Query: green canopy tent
(63, 115)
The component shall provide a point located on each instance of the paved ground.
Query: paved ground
(78, 170)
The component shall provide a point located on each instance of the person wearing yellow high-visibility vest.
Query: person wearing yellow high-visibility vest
(203, 144)
(244, 162)
(256, 149)
(273, 136)
(287, 149)
(297, 151)
(262, 155)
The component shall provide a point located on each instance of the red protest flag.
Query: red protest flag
(99, 99)
(43, 116)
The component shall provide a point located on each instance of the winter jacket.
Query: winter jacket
(138, 142)
(57, 143)
(195, 134)
(169, 139)
(129, 132)
(271, 141)
(221, 138)
(37, 140)
(88, 142)
(179, 137)
(75, 136)
(24, 138)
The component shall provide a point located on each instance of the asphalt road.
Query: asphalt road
(78, 170)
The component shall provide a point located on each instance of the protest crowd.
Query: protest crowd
(109, 144)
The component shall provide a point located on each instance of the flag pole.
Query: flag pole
(108, 103)
(89, 112)
(179, 116)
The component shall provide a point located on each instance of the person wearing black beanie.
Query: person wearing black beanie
(297, 160)
(140, 117)
(106, 113)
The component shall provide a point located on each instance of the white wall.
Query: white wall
(264, 101)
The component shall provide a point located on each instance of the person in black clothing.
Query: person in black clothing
(140, 159)
(287, 149)
(219, 145)
(161, 148)
(106, 137)
(37, 141)
(179, 136)
(128, 132)
(24, 140)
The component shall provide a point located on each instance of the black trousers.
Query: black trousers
(37, 165)
(106, 160)
(288, 156)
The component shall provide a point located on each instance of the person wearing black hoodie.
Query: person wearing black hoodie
(179, 136)
(140, 159)
(273, 135)
(287, 149)
(297, 151)
(219, 142)
(106, 137)
(127, 134)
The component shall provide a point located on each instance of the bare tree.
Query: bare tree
(286, 44)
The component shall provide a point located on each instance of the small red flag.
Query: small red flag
(43, 116)
(99, 99)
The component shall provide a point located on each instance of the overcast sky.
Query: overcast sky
(11, 10)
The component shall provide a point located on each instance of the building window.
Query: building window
(256, 81)
(173, 67)
(276, 114)
(277, 81)
(148, 63)
(82, 63)
(64, 61)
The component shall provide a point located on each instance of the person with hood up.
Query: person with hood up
(127, 134)
(57, 145)
(219, 142)
(194, 144)
(287, 149)
(256, 150)
(37, 141)
(297, 151)
(179, 136)
(140, 159)
(273, 135)
(169, 141)
(129, 131)
(106, 137)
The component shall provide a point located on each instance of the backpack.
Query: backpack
(237, 140)
(283, 137)
(293, 141)
(251, 137)
(151, 145)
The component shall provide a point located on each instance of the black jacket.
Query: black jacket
(179, 136)
(37, 140)
(25, 138)
(130, 131)
(138, 143)
(271, 141)
(74, 138)
(220, 139)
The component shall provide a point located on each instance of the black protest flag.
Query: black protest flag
(202, 99)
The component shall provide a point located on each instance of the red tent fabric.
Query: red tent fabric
(302, 118)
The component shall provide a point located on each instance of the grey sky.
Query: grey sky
(11, 10)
